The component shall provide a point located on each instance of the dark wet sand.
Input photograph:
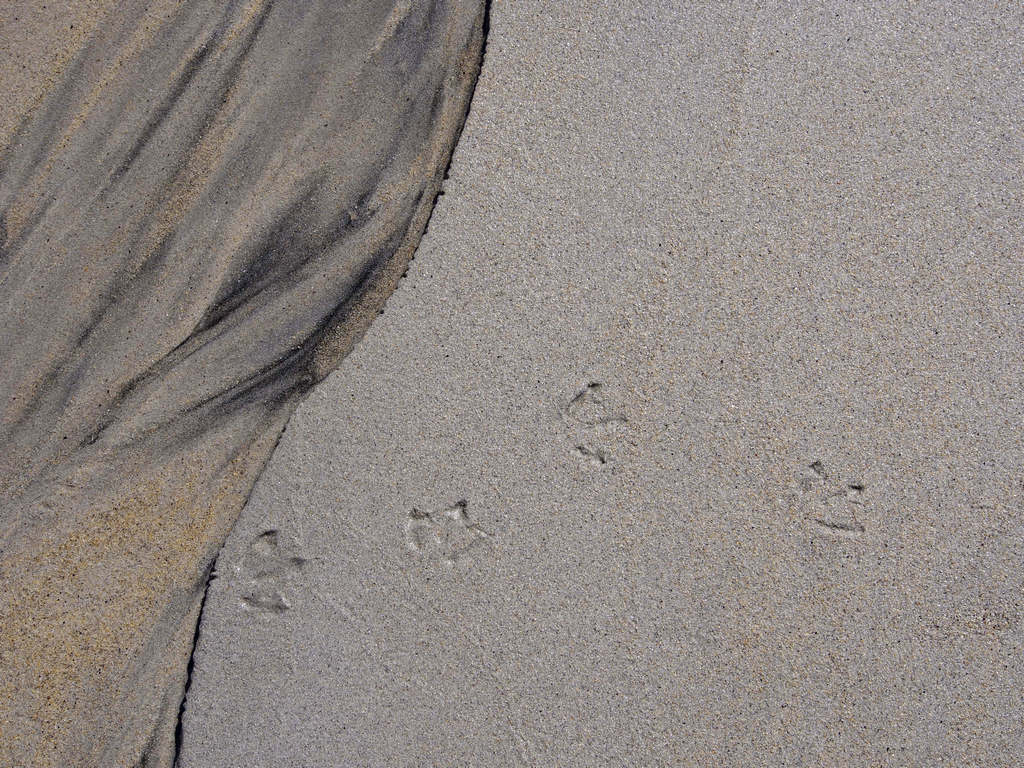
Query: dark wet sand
(202, 206)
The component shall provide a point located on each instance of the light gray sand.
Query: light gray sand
(202, 205)
(693, 436)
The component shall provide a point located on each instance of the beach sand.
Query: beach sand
(202, 207)
(693, 434)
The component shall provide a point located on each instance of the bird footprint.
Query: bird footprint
(448, 535)
(593, 425)
(265, 569)
(830, 504)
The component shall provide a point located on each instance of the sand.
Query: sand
(202, 206)
(693, 435)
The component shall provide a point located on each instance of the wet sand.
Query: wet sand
(203, 205)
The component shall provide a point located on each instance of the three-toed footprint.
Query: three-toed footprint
(593, 425)
(830, 504)
(264, 572)
(448, 535)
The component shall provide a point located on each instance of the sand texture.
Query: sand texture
(693, 436)
(202, 206)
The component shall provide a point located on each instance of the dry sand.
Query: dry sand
(202, 205)
(693, 436)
